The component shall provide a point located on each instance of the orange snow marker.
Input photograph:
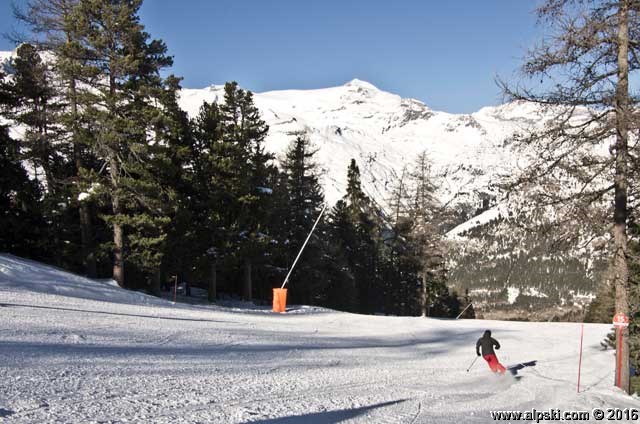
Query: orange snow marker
(279, 300)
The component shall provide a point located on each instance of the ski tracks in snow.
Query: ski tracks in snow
(178, 364)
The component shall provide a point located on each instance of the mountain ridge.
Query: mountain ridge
(384, 132)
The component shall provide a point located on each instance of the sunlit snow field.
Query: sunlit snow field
(75, 350)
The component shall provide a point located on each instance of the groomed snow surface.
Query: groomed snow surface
(74, 350)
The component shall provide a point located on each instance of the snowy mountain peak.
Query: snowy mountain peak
(384, 132)
(361, 84)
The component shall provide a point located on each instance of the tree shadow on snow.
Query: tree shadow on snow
(435, 342)
(260, 309)
(122, 314)
(327, 417)
(5, 412)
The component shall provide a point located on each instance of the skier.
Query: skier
(487, 343)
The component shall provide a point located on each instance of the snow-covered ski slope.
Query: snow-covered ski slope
(75, 350)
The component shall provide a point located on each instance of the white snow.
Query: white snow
(18, 274)
(492, 214)
(265, 190)
(82, 196)
(5, 57)
(484, 291)
(90, 192)
(76, 350)
(512, 294)
(533, 292)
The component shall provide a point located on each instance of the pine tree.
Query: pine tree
(19, 196)
(209, 198)
(602, 308)
(173, 139)
(357, 225)
(303, 186)
(343, 293)
(303, 205)
(22, 222)
(122, 99)
(50, 30)
(356, 198)
(250, 171)
(588, 60)
(36, 108)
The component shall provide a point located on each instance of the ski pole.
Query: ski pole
(474, 361)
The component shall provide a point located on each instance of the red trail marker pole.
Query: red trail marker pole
(620, 321)
(580, 361)
(620, 335)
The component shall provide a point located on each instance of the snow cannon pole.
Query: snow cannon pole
(303, 246)
(467, 307)
(474, 361)
(580, 361)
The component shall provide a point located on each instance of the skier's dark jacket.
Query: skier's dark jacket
(487, 343)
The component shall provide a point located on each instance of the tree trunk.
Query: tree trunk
(423, 296)
(247, 288)
(118, 233)
(213, 280)
(86, 230)
(621, 271)
(156, 288)
(187, 285)
(86, 235)
(44, 150)
(118, 256)
(45, 161)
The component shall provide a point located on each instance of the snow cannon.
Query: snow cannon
(279, 300)
(280, 295)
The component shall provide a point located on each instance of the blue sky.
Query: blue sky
(446, 54)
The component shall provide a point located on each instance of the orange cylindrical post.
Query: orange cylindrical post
(279, 300)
